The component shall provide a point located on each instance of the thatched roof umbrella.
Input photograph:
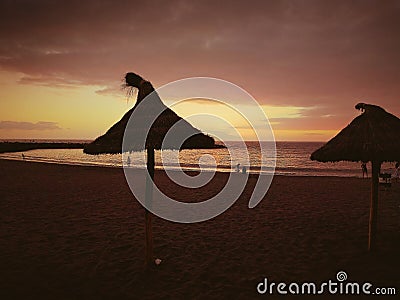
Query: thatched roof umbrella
(112, 141)
(373, 136)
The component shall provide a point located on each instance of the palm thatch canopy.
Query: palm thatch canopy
(111, 141)
(372, 136)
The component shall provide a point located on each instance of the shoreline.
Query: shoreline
(290, 161)
(157, 168)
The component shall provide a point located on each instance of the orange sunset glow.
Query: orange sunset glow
(61, 66)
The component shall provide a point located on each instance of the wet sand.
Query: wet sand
(72, 232)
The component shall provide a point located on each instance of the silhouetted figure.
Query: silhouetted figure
(23, 156)
(244, 170)
(237, 168)
(396, 175)
(128, 161)
(364, 169)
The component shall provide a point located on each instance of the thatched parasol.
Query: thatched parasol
(112, 140)
(373, 136)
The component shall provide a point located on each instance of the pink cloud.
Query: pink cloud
(41, 125)
(328, 55)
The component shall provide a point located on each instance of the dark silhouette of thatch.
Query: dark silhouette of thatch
(111, 141)
(373, 136)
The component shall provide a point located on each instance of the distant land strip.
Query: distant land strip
(22, 146)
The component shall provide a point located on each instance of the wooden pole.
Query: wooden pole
(373, 215)
(149, 199)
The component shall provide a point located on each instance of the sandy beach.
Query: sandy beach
(71, 232)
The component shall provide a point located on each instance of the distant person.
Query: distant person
(128, 161)
(23, 156)
(244, 170)
(237, 168)
(364, 169)
(396, 175)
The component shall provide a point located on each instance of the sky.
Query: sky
(307, 63)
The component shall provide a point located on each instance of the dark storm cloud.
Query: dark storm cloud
(302, 53)
(14, 125)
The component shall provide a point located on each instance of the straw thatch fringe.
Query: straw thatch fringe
(111, 141)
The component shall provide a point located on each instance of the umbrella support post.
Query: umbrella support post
(373, 216)
(148, 214)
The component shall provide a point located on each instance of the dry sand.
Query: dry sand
(70, 232)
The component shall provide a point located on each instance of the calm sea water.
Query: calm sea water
(292, 159)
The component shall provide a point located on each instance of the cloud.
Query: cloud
(114, 91)
(289, 53)
(50, 81)
(308, 118)
(14, 125)
(314, 133)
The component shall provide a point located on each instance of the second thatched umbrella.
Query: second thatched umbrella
(373, 136)
(153, 121)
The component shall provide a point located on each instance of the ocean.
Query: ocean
(292, 159)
